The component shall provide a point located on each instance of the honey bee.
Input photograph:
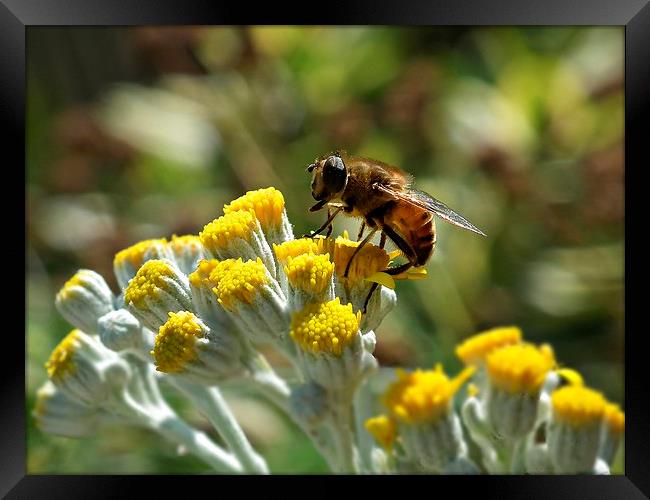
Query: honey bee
(382, 196)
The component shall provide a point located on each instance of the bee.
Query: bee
(382, 196)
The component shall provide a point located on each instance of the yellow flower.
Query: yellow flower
(134, 254)
(474, 349)
(325, 327)
(309, 273)
(61, 361)
(520, 368)
(238, 235)
(200, 278)
(294, 248)
(614, 418)
(383, 429)
(148, 282)
(570, 376)
(174, 346)
(187, 250)
(370, 260)
(267, 204)
(238, 281)
(158, 288)
(423, 395)
(127, 262)
(578, 406)
(219, 234)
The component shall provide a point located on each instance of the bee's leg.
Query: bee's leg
(331, 226)
(404, 246)
(372, 290)
(326, 225)
(361, 230)
(356, 251)
(382, 240)
(399, 269)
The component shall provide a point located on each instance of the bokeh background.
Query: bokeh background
(145, 132)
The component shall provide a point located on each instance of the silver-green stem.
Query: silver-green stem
(340, 424)
(277, 391)
(199, 444)
(162, 420)
(213, 406)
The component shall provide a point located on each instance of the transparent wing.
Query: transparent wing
(428, 202)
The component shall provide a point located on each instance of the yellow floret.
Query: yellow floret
(423, 395)
(61, 362)
(222, 268)
(578, 406)
(325, 327)
(383, 429)
(520, 368)
(293, 248)
(149, 279)
(570, 376)
(367, 262)
(238, 281)
(134, 255)
(309, 272)
(268, 205)
(180, 243)
(68, 289)
(614, 418)
(219, 233)
(201, 276)
(477, 347)
(175, 344)
(325, 245)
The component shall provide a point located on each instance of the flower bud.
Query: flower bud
(83, 299)
(158, 288)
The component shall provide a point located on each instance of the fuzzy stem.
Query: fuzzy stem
(340, 423)
(211, 403)
(198, 443)
(277, 391)
(162, 420)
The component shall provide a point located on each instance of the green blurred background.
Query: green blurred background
(137, 133)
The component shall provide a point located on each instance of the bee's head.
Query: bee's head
(329, 177)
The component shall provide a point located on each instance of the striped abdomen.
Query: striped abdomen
(418, 229)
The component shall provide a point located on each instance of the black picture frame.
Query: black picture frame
(17, 15)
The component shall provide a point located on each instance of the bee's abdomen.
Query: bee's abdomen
(417, 227)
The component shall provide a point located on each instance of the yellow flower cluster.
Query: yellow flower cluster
(149, 279)
(309, 272)
(134, 254)
(174, 346)
(325, 327)
(294, 248)
(267, 204)
(476, 348)
(219, 233)
(238, 281)
(520, 368)
(61, 362)
(578, 406)
(423, 395)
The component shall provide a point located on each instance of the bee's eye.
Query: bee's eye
(334, 174)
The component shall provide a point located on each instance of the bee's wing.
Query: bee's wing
(428, 202)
